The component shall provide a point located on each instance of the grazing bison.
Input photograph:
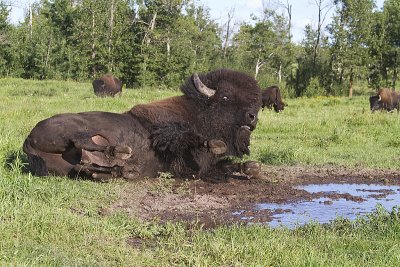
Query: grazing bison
(271, 97)
(187, 135)
(385, 99)
(107, 85)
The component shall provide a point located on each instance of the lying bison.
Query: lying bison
(186, 135)
(271, 97)
(107, 85)
(385, 99)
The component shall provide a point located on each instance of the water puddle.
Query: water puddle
(331, 201)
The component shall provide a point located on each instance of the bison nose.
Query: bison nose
(251, 117)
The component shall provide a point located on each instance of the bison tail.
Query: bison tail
(37, 166)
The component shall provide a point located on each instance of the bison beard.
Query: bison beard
(187, 135)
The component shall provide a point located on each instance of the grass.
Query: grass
(56, 221)
(328, 130)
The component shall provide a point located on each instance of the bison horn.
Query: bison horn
(380, 98)
(201, 87)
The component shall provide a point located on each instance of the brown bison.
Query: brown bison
(271, 97)
(385, 99)
(107, 85)
(186, 135)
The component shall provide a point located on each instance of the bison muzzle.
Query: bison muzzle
(187, 135)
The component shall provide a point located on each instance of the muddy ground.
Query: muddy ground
(211, 203)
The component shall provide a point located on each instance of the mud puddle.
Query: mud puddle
(331, 201)
(283, 195)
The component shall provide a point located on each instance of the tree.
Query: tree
(5, 45)
(351, 31)
(391, 48)
(264, 44)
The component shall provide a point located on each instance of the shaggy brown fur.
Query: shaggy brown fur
(186, 135)
(385, 99)
(107, 85)
(271, 98)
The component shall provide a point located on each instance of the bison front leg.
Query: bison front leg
(101, 144)
(251, 169)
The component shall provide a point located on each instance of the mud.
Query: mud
(237, 199)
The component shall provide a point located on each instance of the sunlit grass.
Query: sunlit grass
(56, 221)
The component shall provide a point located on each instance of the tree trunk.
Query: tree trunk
(259, 64)
(110, 33)
(351, 83)
(394, 78)
(146, 38)
(316, 45)
(168, 47)
(228, 31)
(48, 51)
(30, 18)
(280, 73)
(289, 11)
(93, 46)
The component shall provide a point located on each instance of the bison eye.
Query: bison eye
(225, 98)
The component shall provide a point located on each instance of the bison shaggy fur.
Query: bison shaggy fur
(107, 85)
(385, 99)
(271, 98)
(187, 135)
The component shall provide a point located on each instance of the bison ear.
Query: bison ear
(201, 87)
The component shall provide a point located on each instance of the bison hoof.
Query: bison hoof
(216, 147)
(123, 152)
(119, 152)
(252, 169)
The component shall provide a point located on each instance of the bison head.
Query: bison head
(375, 103)
(225, 104)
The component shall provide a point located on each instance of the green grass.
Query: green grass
(323, 130)
(57, 221)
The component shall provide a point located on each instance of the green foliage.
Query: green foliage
(153, 43)
(314, 88)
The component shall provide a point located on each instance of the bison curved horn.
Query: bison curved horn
(201, 87)
(380, 98)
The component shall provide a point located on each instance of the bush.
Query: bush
(314, 88)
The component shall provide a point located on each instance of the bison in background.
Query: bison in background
(385, 99)
(107, 85)
(271, 97)
(188, 135)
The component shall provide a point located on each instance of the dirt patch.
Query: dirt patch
(214, 202)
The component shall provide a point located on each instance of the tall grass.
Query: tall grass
(56, 221)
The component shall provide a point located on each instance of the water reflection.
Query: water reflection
(327, 208)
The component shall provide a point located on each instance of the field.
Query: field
(57, 221)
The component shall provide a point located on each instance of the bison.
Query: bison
(385, 99)
(107, 85)
(193, 134)
(271, 97)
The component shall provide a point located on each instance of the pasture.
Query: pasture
(57, 221)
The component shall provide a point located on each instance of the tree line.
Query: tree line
(161, 42)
